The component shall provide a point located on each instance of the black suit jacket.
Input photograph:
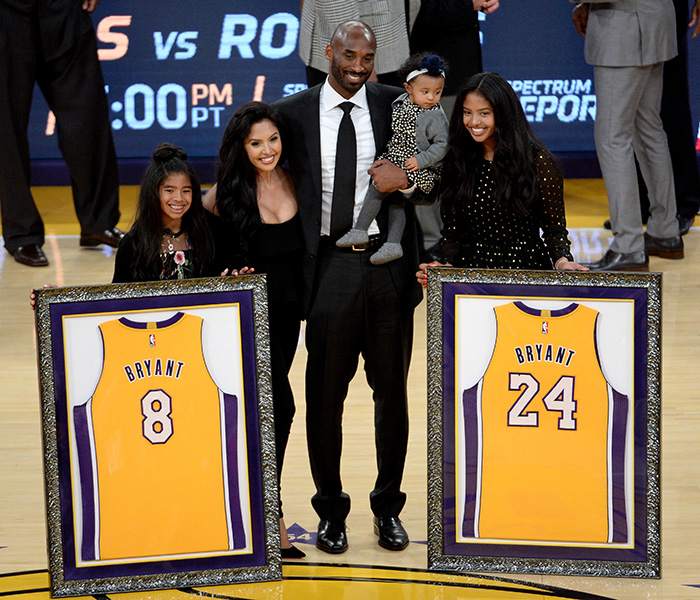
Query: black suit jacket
(449, 28)
(302, 146)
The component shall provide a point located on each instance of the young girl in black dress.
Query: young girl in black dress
(255, 197)
(172, 237)
(500, 187)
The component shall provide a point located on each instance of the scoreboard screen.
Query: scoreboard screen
(176, 71)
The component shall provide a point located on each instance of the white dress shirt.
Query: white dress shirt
(330, 116)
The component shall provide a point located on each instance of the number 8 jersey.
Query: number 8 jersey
(157, 448)
(545, 434)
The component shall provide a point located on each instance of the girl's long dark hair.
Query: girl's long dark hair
(148, 224)
(515, 155)
(236, 185)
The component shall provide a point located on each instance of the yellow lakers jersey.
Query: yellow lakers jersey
(541, 429)
(152, 447)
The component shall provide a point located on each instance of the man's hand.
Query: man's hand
(486, 6)
(387, 176)
(580, 18)
(90, 5)
(695, 19)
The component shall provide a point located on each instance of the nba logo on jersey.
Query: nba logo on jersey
(545, 327)
(152, 340)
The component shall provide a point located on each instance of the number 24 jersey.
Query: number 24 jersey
(544, 434)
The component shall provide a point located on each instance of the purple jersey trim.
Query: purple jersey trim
(536, 312)
(472, 435)
(619, 430)
(82, 441)
(231, 449)
(158, 324)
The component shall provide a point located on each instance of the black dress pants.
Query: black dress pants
(678, 125)
(357, 311)
(285, 323)
(61, 57)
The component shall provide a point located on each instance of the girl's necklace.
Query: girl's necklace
(169, 237)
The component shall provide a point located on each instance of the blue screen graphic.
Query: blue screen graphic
(176, 71)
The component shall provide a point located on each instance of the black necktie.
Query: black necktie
(344, 178)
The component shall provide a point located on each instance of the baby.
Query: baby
(418, 144)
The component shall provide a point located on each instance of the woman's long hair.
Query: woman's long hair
(148, 224)
(515, 155)
(236, 184)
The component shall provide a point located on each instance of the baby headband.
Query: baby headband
(431, 64)
(417, 72)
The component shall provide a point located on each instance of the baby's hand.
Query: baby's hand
(411, 164)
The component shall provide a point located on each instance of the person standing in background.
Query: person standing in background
(627, 42)
(449, 28)
(678, 123)
(52, 43)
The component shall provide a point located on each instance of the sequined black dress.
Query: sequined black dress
(482, 234)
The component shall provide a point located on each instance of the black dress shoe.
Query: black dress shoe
(619, 261)
(110, 237)
(31, 255)
(331, 537)
(671, 247)
(685, 223)
(292, 552)
(392, 535)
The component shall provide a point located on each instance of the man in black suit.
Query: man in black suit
(352, 307)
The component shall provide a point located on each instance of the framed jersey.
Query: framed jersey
(158, 435)
(544, 422)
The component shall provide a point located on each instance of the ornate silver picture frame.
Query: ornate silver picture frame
(544, 422)
(158, 434)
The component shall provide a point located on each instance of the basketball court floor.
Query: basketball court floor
(365, 570)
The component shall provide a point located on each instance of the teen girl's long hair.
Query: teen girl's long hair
(515, 155)
(148, 224)
(236, 184)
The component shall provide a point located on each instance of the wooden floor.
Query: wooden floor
(22, 529)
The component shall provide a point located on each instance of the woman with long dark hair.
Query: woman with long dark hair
(254, 196)
(500, 186)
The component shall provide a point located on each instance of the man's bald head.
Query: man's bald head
(354, 28)
(351, 55)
